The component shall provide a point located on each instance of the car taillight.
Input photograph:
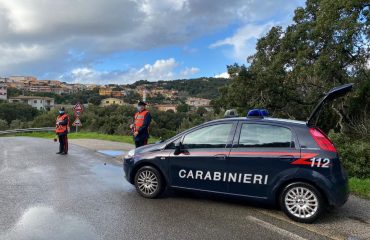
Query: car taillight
(322, 140)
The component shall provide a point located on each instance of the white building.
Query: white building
(41, 103)
(3, 91)
(111, 101)
(198, 102)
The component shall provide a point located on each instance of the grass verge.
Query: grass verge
(85, 135)
(360, 187)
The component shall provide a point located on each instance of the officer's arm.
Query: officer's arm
(64, 122)
(147, 120)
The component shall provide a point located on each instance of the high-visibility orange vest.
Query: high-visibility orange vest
(60, 128)
(139, 119)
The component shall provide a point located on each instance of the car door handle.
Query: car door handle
(287, 156)
(220, 156)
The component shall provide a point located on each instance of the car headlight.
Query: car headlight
(130, 153)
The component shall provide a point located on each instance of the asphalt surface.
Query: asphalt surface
(84, 196)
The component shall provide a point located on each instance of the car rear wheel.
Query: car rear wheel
(149, 182)
(302, 202)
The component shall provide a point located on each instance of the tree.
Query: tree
(327, 45)
(183, 108)
(20, 111)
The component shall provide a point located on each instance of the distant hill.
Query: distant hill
(197, 87)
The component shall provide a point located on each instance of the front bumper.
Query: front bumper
(127, 168)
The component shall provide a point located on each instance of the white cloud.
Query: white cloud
(189, 71)
(41, 33)
(162, 69)
(222, 75)
(244, 40)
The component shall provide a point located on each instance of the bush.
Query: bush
(3, 125)
(20, 111)
(355, 154)
(16, 124)
(45, 120)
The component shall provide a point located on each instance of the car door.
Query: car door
(203, 158)
(261, 153)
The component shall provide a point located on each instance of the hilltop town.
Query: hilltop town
(164, 95)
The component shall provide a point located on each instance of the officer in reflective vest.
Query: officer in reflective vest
(140, 128)
(61, 129)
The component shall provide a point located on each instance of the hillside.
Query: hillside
(197, 87)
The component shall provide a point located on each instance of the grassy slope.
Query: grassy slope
(359, 187)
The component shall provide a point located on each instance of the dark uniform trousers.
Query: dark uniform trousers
(63, 142)
(141, 142)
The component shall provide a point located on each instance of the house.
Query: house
(198, 102)
(3, 91)
(41, 103)
(57, 90)
(39, 88)
(105, 91)
(166, 107)
(111, 101)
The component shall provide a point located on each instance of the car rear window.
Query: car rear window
(262, 135)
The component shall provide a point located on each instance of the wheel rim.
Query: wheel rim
(147, 182)
(301, 202)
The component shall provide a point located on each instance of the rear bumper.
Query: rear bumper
(339, 193)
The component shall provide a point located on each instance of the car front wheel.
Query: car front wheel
(302, 202)
(149, 182)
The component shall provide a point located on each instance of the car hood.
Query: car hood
(149, 148)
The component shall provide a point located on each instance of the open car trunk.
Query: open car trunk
(334, 93)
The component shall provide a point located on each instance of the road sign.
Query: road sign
(78, 108)
(77, 123)
(78, 113)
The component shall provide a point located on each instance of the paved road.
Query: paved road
(48, 196)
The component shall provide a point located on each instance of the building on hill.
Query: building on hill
(198, 102)
(22, 79)
(111, 92)
(111, 101)
(41, 103)
(3, 91)
(39, 88)
(166, 107)
(57, 90)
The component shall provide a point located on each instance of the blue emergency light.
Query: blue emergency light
(257, 113)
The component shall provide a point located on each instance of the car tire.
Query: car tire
(302, 202)
(149, 182)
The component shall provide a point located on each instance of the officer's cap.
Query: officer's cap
(141, 103)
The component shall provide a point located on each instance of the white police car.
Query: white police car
(291, 163)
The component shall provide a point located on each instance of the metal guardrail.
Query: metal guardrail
(12, 131)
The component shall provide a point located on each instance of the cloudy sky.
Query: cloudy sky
(121, 41)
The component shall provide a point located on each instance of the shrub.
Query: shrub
(3, 125)
(355, 154)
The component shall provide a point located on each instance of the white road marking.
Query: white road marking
(308, 227)
(274, 228)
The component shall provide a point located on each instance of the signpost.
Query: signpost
(78, 110)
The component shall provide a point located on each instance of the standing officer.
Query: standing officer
(61, 129)
(140, 128)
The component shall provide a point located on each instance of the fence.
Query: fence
(13, 131)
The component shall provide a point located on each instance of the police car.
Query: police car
(291, 163)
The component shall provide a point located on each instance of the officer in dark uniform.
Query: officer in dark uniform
(61, 129)
(140, 128)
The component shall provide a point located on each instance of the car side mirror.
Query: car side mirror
(178, 148)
